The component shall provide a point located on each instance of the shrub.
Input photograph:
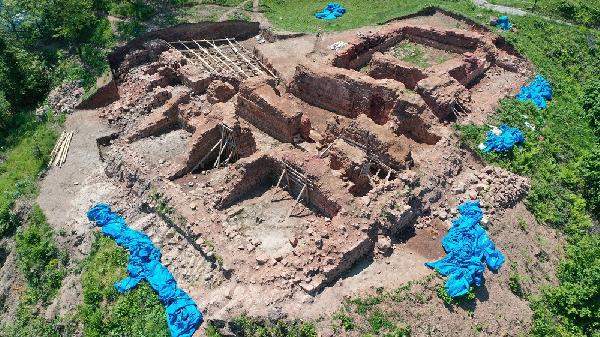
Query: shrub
(514, 283)
(590, 173)
(573, 307)
(346, 321)
(135, 9)
(591, 104)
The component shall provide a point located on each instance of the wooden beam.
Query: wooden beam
(297, 200)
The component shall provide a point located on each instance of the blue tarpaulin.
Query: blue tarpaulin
(538, 91)
(467, 246)
(183, 316)
(332, 11)
(503, 139)
(503, 23)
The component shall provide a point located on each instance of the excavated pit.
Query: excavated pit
(290, 165)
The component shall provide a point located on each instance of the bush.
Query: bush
(590, 173)
(134, 9)
(130, 29)
(38, 257)
(591, 104)
(23, 75)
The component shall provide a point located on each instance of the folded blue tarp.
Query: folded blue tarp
(503, 23)
(538, 91)
(333, 11)
(504, 141)
(183, 316)
(467, 246)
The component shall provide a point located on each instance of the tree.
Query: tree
(57, 19)
(5, 111)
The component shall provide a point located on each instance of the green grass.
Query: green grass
(420, 55)
(245, 326)
(25, 151)
(299, 15)
(583, 12)
(105, 312)
(39, 259)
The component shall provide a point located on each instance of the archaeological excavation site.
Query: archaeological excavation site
(280, 173)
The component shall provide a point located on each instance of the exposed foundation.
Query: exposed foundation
(292, 179)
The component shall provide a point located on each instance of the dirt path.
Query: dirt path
(501, 9)
(66, 193)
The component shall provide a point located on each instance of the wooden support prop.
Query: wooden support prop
(66, 151)
(297, 200)
(240, 70)
(206, 156)
(387, 177)
(218, 162)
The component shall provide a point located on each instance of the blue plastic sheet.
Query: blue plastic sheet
(332, 11)
(538, 91)
(468, 247)
(183, 316)
(504, 23)
(505, 141)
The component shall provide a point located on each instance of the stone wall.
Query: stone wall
(259, 104)
(248, 175)
(386, 66)
(350, 93)
(240, 30)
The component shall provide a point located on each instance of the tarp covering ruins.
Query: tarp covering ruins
(467, 246)
(183, 316)
(502, 139)
(538, 91)
(504, 23)
(332, 11)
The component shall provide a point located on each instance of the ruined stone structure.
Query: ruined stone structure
(288, 173)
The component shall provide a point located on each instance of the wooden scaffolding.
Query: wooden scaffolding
(225, 149)
(223, 56)
(296, 184)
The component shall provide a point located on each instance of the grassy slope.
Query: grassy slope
(105, 312)
(584, 12)
(25, 156)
